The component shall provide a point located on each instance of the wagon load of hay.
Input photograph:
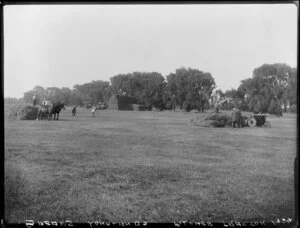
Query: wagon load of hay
(120, 102)
(211, 120)
(23, 112)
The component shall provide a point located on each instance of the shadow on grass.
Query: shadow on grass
(17, 192)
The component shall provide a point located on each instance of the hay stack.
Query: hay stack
(120, 102)
(23, 112)
(211, 120)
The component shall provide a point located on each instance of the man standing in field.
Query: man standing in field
(74, 109)
(93, 111)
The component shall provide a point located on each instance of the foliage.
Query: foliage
(147, 88)
(52, 94)
(95, 91)
(291, 92)
(270, 86)
(192, 88)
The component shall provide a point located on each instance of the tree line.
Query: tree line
(270, 86)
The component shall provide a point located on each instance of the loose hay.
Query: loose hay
(23, 112)
(211, 120)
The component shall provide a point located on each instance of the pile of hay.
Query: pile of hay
(120, 102)
(23, 112)
(211, 120)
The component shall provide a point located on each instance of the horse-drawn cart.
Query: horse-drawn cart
(48, 110)
(257, 120)
(43, 112)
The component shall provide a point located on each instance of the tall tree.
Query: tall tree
(120, 84)
(52, 94)
(290, 96)
(267, 89)
(147, 87)
(65, 94)
(95, 91)
(192, 87)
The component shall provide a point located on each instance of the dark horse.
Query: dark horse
(55, 110)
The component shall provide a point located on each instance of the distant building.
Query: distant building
(87, 104)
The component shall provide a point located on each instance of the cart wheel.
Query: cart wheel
(252, 122)
(267, 124)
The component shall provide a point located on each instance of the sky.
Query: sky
(65, 45)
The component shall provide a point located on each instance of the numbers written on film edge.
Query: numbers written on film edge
(68, 223)
(30, 223)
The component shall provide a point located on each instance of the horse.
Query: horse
(55, 110)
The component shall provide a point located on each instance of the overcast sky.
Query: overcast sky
(64, 45)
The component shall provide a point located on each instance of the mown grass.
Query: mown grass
(147, 166)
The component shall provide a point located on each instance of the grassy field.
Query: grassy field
(147, 166)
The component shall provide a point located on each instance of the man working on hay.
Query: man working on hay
(34, 99)
(236, 117)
